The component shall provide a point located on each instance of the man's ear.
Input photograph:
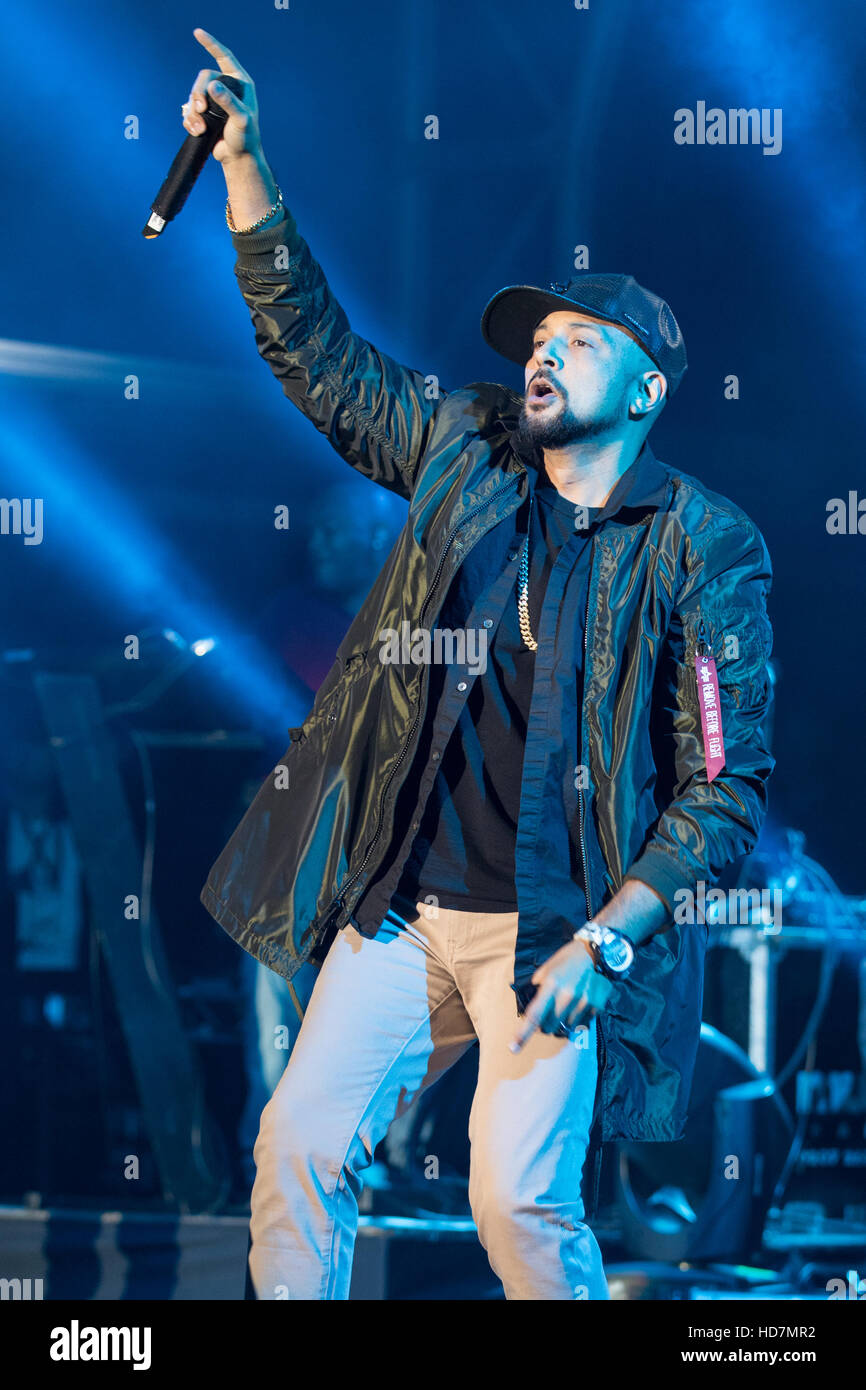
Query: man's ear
(651, 394)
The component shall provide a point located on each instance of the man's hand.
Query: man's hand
(241, 131)
(250, 183)
(570, 991)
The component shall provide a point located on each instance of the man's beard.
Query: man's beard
(564, 428)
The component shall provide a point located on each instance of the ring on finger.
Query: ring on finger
(579, 1018)
(577, 1035)
(564, 1031)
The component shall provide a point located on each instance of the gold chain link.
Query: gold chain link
(523, 590)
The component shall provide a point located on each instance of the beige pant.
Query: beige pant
(387, 1016)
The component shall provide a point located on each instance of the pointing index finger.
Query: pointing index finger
(530, 1021)
(227, 61)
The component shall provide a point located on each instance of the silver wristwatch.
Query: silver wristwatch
(613, 954)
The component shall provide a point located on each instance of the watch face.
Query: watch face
(618, 953)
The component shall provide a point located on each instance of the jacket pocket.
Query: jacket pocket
(741, 639)
(354, 666)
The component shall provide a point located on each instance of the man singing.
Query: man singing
(495, 849)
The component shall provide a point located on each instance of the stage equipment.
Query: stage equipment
(189, 1154)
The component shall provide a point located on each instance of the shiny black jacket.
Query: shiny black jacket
(679, 565)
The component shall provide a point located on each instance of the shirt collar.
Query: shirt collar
(642, 485)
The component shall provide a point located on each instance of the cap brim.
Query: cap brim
(512, 314)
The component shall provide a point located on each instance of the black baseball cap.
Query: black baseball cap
(513, 314)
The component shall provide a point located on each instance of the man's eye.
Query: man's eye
(539, 342)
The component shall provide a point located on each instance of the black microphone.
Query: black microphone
(189, 162)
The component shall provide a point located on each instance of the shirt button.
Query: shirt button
(415, 825)
(488, 622)
(435, 757)
(462, 685)
(513, 554)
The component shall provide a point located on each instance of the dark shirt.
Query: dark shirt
(463, 853)
(455, 827)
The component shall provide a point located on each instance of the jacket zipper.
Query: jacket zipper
(702, 644)
(580, 803)
(341, 900)
(601, 1056)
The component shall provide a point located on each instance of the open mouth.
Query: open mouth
(541, 390)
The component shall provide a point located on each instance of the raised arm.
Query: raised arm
(377, 414)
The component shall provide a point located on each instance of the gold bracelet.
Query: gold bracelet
(241, 231)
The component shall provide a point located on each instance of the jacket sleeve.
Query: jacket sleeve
(377, 414)
(710, 824)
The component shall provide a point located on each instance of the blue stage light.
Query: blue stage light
(99, 534)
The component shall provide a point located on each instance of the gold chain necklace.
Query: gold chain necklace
(523, 589)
